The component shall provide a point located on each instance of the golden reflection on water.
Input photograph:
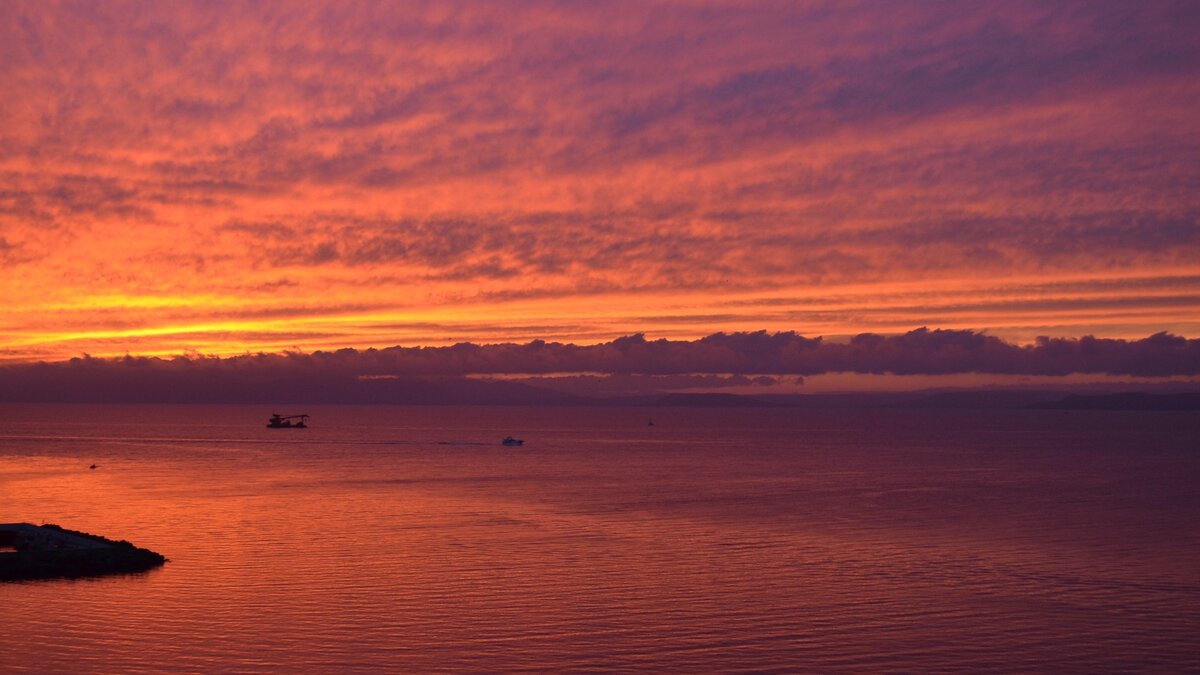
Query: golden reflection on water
(407, 538)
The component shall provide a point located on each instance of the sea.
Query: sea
(408, 539)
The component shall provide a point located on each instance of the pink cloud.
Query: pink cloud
(538, 149)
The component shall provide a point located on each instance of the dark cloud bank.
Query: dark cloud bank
(506, 373)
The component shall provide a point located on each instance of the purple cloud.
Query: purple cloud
(735, 359)
(569, 151)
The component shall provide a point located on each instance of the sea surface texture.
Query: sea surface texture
(409, 539)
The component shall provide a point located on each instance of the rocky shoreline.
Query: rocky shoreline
(54, 552)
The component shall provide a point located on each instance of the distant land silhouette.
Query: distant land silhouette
(1125, 401)
(48, 384)
(712, 400)
(52, 384)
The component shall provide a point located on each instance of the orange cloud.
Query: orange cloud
(231, 177)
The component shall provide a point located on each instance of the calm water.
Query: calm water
(716, 540)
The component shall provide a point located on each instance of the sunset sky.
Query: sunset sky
(223, 178)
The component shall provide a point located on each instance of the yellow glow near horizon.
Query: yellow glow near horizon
(332, 185)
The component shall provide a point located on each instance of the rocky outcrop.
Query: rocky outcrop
(50, 551)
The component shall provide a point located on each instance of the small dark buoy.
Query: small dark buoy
(92, 466)
(650, 424)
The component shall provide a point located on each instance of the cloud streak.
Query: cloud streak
(512, 163)
(628, 364)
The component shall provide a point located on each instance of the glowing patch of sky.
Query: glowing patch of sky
(229, 177)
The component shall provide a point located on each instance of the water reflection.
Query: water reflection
(714, 540)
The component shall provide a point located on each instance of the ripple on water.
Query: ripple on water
(738, 540)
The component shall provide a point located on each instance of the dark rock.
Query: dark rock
(51, 552)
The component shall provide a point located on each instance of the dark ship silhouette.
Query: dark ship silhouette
(278, 421)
